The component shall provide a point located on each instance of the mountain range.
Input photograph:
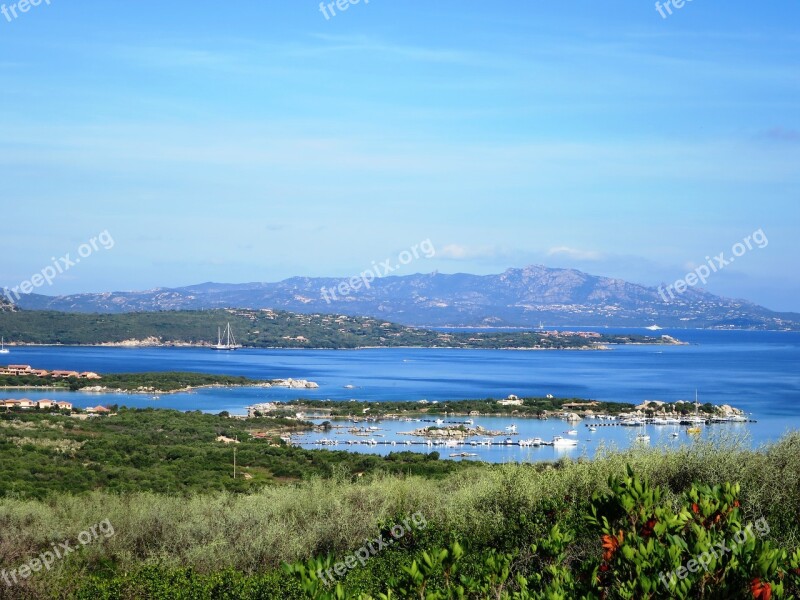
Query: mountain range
(519, 297)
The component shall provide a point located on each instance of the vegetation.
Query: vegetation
(167, 381)
(530, 407)
(529, 529)
(171, 452)
(268, 329)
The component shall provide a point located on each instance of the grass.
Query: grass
(500, 506)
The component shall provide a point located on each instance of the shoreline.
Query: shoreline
(302, 384)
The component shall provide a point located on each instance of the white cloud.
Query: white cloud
(574, 253)
(461, 252)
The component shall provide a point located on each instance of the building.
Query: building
(45, 404)
(98, 410)
(64, 405)
(512, 400)
(64, 374)
(19, 370)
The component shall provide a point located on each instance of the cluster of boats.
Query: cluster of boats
(557, 442)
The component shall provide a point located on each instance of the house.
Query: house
(24, 403)
(64, 374)
(512, 400)
(19, 369)
(45, 404)
(64, 405)
(90, 375)
(98, 410)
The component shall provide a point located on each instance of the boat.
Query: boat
(469, 422)
(512, 428)
(666, 421)
(230, 341)
(537, 441)
(642, 437)
(572, 432)
(696, 420)
(675, 434)
(654, 328)
(3, 349)
(694, 430)
(440, 421)
(592, 429)
(560, 442)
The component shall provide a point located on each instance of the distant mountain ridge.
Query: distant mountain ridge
(519, 297)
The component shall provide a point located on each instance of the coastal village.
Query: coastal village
(27, 370)
(45, 404)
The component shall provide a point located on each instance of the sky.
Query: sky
(259, 140)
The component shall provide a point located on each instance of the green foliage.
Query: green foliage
(266, 329)
(171, 452)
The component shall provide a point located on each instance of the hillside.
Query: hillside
(270, 329)
(518, 297)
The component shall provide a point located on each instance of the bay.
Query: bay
(758, 372)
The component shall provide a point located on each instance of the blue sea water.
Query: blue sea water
(758, 372)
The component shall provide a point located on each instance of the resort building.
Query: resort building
(17, 370)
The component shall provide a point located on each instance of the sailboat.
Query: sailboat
(230, 341)
(697, 421)
(3, 349)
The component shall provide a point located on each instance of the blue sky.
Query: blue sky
(253, 141)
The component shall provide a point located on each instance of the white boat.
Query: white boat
(675, 434)
(631, 422)
(440, 421)
(512, 428)
(592, 429)
(666, 421)
(537, 441)
(737, 419)
(230, 341)
(469, 422)
(654, 328)
(572, 432)
(3, 349)
(642, 437)
(560, 442)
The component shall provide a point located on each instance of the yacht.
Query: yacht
(230, 341)
(512, 428)
(560, 442)
(572, 432)
(642, 437)
(3, 349)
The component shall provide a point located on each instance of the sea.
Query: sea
(756, 371)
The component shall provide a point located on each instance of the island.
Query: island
(167, 382)
(281, 329)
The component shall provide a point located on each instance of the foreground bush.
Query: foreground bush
(645, 550)
(510, 508)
